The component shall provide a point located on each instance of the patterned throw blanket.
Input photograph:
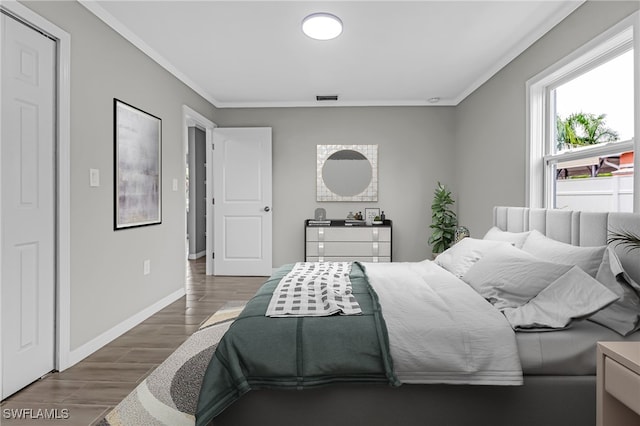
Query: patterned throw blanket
(313, 289)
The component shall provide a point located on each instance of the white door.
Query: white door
(242, 193)
(27, 215)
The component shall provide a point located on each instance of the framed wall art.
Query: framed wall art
(138, 167)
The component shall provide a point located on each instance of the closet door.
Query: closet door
(27, 201)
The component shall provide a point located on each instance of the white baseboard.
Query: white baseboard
(197, 255)
(90, 347)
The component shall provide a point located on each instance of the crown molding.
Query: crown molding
(565, 10)
(131, 37)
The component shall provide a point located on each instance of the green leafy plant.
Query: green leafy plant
(582, 128)
(443, 220)
(624, 238)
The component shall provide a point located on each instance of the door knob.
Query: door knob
(266, 208)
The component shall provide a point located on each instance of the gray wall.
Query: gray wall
(490, 124)
(107, 281)
(415, 150)
(197, 217)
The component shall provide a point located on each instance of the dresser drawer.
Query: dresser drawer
(342, 243)
(349, 233)
(348, 259)
(622, 383)
(346, 249)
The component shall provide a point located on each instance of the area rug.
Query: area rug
(169, 395)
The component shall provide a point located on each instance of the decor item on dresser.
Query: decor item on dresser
(138, 159)
(443, 220)
(347, 173)
(320, 214)
(370, 214)
(347, 240)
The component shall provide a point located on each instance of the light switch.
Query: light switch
(94, 177)
(175, 184)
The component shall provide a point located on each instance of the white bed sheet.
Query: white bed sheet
(565, 352)
(440, 329)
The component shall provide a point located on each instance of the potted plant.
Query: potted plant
(443, 220)
(627, 239)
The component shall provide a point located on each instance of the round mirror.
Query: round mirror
(347, 172)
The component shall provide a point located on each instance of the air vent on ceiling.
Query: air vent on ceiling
(326, 98)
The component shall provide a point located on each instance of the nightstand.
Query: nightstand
(618, 384)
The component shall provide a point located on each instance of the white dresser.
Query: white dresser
(340, 242)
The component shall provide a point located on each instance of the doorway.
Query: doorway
(196, 194)
(193, 119)
(241, 169)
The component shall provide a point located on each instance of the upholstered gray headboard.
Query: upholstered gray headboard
(574, 227)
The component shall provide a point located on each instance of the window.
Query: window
(581, 127)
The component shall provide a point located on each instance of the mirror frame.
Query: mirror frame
(370, 193)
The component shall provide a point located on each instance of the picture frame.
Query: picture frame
(137, 167)
(370, 213)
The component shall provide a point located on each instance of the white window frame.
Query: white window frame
(541, 131)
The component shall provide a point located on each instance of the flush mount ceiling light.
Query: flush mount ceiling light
(322, 26)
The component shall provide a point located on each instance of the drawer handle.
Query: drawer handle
(376, 234)
(321, 234)
(376, 249)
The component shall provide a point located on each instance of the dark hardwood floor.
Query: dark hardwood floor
(87, 391)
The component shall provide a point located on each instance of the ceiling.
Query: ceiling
(254, 54)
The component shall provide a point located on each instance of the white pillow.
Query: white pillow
(575, 295)
(623, 316)
(509, 277)
(587, 258)
(458, 258)
(515, 238)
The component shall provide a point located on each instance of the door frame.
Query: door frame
(191, 118)
(63, 178)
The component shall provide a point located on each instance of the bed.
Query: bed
(557, 376)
